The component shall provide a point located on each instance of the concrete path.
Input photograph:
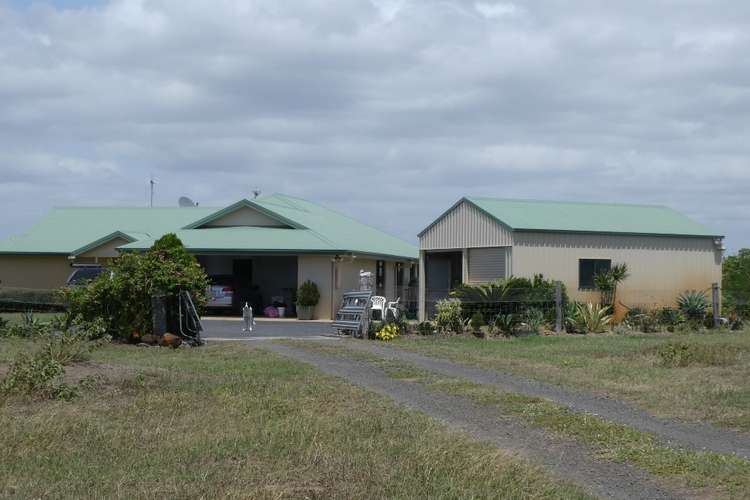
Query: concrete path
(700, 437)
(566, 458)
(222, 329)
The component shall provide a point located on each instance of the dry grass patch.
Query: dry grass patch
(232, 422)
(714, 386)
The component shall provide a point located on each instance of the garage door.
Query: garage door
(487, 264)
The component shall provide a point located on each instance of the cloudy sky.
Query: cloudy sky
(389, 110)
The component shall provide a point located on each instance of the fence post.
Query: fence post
(715, 304)
(558, 307)
(159, 314)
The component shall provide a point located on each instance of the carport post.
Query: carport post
(558, 307)
(716, 304)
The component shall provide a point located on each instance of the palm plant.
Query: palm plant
(592, 318)
(693, 304)
(485, 293)
(607, 281)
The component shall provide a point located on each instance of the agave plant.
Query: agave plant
(534, 319)
(592, 318)
(693, 304)
(506, 323)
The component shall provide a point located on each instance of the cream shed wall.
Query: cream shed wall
(660, 267)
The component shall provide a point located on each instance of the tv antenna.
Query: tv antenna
(256, 192)
(151, 184)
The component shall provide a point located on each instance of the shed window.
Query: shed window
(588, 268)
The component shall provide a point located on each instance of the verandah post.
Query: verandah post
(715, 302)
(558, 307)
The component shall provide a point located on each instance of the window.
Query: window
(399, 274)
(588, 268)
(380, 277)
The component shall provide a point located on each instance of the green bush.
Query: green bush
(644, 321)
(448, 316)
(736, 285)
(672, 318)
(426, 328)
(477, 321)
(308, 294)
(683, 354)
(123, 298)
(33, 375)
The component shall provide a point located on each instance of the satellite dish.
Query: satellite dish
(184, 201)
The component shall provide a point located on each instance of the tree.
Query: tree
(736, 283)
(123, 296)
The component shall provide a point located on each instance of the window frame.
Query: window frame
(598, 265)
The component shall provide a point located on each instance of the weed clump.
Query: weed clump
(684, 354)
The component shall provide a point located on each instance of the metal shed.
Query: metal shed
(478, 240)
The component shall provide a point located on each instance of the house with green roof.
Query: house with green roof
(263, 248)
(478, 240)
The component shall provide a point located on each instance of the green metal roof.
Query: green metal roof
(532, 215)
(76, 230)
(244, 239)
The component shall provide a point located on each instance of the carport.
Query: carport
(256, 279)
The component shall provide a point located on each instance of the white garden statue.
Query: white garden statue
(248, 318)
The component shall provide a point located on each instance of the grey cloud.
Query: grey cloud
(386, 109)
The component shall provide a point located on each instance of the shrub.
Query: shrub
(477, 321)
(123, 298)
(39, 374)
(3, 326)
(71, 341)
(671, 318)
(644, 321)
(591, 318)
(30, 326)
(693, 304)
(534, 320)
(448, 317)
(389, 332)
(33, 375)
(683, 354)
(425, 328)
(308, 294)
(506, 323)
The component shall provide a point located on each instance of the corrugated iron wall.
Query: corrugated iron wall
(464, 227)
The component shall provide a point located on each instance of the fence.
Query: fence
(548, 304)
(538, 305)
(27, 299)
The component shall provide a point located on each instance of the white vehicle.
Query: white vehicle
(220, 293)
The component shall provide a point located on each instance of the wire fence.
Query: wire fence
(551, 306)
(28, 299)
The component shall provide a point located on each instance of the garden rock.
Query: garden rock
(170, 340)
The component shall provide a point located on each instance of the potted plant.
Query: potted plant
(307, 298)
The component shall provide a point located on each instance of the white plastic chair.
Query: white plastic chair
(377, 303)
(393, 308)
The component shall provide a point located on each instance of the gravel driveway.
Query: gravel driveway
(566, 458)
(694, 436)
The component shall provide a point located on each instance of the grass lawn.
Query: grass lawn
(621, 366)
(228, 421)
